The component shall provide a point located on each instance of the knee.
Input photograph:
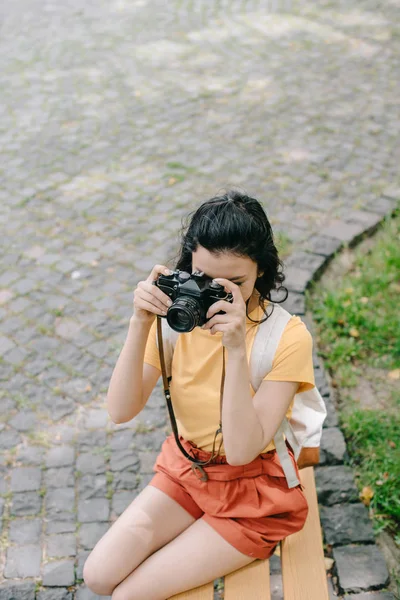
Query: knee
(94, 578)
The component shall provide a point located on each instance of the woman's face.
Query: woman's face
(238, 269)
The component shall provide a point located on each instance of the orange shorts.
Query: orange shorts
(250, 506)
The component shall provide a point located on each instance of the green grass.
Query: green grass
(356, 312)
(358, 315)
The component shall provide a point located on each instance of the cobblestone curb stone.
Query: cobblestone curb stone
(359, 567)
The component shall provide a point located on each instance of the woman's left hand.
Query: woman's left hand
(233, 323)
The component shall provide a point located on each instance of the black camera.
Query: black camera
(191, 295)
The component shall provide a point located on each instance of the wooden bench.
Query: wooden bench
(303, 565)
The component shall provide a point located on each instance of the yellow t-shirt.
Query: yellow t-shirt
(197, 367)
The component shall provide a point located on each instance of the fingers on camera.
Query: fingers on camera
(153, 299)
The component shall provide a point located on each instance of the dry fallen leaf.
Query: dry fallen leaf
(172, 180)
(364, 300)
(366, 495)
(354, 332)
(394, 374)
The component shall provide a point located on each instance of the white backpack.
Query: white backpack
(304, 429)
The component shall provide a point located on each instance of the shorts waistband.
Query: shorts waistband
(267, 462)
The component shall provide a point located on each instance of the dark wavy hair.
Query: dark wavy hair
(235, 223)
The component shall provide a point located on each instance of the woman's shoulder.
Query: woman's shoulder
(296, 332)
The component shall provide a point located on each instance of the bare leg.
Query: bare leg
(149, 522)
(197, 556)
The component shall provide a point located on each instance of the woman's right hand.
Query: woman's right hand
(148, 299)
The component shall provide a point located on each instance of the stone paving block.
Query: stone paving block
(25, 504)
(63, 544)
(54, 525)
(91, 440)
(360, 568)
(121, 500)
(58, 573)
(59, 477)
(54, 594)
(89, 462)
(9, 439)
(147, 461)
(335, 485)
(307, 261)
(80, 561)
(383, 205)
(30, 455)
(59, 501)
(92, 486)
(5, 345)
(124, 459)
(90, 533)
(369, 220)
(276, 586)
(60, 456)
(24, 421)
(16, 356)
(342, 231)
(26, 479)
(295, 304)
(23, 561)
(346, 523)
(94, 509)
(125, 480)
(333, 447)
(370, 596)
(11, 590)
(25, 531)
(96, 419)
(84, 593)
(331, 419)
(297, 279)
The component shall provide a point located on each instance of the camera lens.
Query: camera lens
(184, 314)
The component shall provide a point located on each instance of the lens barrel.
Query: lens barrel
(184, 314)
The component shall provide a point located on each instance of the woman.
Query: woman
(183, 531)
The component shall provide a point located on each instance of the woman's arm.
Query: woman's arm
(249, 424)
(132, 381)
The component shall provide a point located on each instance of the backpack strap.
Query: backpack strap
(265, 344)
(170, 337)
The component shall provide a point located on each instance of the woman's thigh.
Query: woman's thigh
(150, 521)
(195, 557)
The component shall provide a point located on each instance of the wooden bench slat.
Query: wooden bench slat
(250, 582)
(204, 592)
(303, 565)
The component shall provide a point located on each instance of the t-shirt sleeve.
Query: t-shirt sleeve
(151, 356)
(293, 359)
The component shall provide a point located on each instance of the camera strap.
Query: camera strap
(197, 465)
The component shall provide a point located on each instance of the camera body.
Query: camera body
(191, 295)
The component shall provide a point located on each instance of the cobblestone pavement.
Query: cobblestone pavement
(116, 117)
